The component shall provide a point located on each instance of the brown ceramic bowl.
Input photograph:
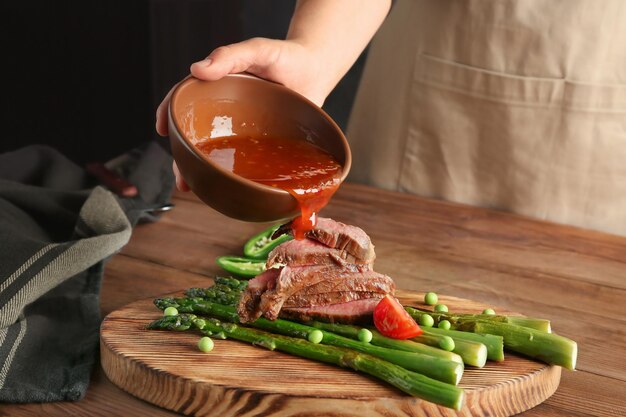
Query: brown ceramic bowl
(245, 105)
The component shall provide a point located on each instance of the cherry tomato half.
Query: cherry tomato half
(393, 321)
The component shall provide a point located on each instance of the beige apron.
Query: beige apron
(512, 104)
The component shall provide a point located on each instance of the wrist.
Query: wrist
(303, 70)
(316, 76)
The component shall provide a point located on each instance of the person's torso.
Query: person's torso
(519, 105)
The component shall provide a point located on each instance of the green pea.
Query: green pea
(205, 344)
(489, 311)
(365, 335)
(431, 298)
(315, 336)
(170, 311)
(426, 320)
(447, 343)
(441, 308)
(444, 324)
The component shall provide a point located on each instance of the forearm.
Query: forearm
(336, 31)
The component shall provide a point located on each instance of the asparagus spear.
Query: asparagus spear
(441, 369)
(410, 382)
(436, 341)
(226, 290)
(472, 353)
(493, 343)
(533, 323)
(231, 282)
(222, 285)
(380, 340)
(547, 347)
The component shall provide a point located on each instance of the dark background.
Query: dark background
(86, 76)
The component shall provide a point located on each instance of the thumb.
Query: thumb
(252, 55)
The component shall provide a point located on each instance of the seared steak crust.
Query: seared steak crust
(248, 308)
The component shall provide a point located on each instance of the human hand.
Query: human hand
(283, 61)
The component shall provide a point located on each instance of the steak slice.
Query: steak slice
(289, 281)
(310, 252)
(300, 300)
(248, 307)
(368, 281)
(293, 280)
(337, 235)
(358, 311)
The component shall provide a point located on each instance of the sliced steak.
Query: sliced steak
(337, 235)
(300, 300)
(327, 276)
(248, 308)
(366, 281)
(293, 280)
(358, 311)
(310, 252)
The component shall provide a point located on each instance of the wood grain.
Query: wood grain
(237, 379)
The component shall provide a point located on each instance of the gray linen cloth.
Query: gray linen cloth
(56, 229)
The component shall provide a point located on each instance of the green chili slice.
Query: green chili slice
(244, 267)
(259, 246)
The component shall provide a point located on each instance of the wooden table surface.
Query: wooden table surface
(576, 278)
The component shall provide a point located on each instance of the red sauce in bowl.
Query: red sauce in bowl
(306, 171)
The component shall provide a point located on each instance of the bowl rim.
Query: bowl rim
(190, 146)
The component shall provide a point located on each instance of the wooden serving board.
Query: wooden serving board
(237, 379)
